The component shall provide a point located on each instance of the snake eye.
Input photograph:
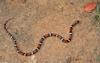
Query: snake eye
(77, 21)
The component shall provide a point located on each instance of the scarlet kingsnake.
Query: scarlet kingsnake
(41, 41)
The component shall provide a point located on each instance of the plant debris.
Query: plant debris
(89, 7)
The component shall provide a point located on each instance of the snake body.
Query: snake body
(41, 41)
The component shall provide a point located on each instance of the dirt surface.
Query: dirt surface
(34, 18)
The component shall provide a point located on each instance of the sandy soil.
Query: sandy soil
(34, 18)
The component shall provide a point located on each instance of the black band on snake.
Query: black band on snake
(41, 41)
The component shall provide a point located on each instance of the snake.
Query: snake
(42, 39)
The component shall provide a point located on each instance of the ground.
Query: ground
(34, 18)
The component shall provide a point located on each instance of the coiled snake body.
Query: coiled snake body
(41, 41)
